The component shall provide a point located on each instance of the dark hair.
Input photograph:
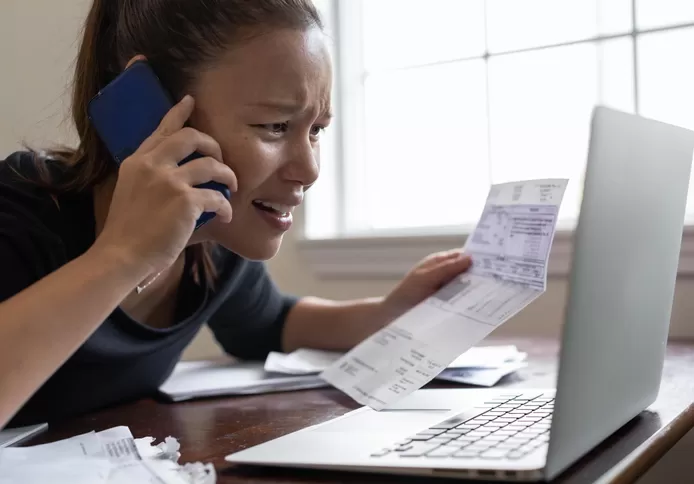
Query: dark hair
(177, 37)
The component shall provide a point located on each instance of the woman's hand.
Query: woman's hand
(339, 326)
(427, 277)
(154, 206)
(151, 218)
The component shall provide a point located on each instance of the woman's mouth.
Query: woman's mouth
(277, 215)
(275, 208)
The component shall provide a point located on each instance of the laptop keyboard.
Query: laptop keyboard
(508, 427)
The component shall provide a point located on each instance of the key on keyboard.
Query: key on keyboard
(510, 426)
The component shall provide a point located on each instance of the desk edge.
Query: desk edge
(646, 455)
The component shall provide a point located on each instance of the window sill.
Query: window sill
(390, 257)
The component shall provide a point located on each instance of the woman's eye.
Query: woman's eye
(278, 128)
(281, 128)
(274, 128)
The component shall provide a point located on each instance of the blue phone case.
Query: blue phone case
(129, 109)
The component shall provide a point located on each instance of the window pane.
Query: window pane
(666, 82)
(614, 16)
(540, 107)
(325, 10)
(657, 13)
(515, 25)
(426, 146)
(321, 207)
(666, 76)
(323, 7)
(411, 32)
(616, 74)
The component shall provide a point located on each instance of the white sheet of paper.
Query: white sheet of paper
(488, 357)
(483, 377)
(108, 456)
(191, 379)
(301, 361)
(120, 448)
(510, 249)
(66, 471)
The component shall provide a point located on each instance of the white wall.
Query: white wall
(37, 49)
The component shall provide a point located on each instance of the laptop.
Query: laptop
(624, 267)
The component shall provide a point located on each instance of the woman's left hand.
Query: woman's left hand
(332, 325)
(422, 281)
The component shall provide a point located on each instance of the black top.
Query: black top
(123, 359)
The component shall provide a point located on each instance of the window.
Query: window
(438, 99)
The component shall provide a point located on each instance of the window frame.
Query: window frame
(339, 253)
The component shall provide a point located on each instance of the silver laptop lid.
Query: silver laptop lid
(626, 252)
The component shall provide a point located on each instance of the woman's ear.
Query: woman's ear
(138, 57)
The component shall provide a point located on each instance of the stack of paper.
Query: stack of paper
(303, 361)
(300, 370)
(481, 366)
(484, 366)
(195, 379)
(112, 456)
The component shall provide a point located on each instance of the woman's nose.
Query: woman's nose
(304, 164)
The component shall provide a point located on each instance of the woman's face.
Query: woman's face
(266, 102)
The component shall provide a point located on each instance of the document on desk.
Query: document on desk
(510, 249)
(111, 456)
(92, 457)
(197, 379)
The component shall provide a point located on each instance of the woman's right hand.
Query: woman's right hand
(154, 206)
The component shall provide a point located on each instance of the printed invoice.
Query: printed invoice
(510, 249)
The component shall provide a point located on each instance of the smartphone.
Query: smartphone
(129, 109)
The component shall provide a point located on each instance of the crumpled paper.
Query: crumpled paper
(199, 473)
(170, 449)
(162, 459)
(107, 456)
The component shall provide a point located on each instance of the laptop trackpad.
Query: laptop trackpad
(369, 421)
(413, 413)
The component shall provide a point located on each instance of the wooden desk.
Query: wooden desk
(210, 429)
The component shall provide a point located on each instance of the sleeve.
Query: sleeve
(29, 248)
(249, 323)
(24, 259)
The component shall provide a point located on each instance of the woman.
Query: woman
(105, 281)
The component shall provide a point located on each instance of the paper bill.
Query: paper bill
(510, 249)
(309, 361)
